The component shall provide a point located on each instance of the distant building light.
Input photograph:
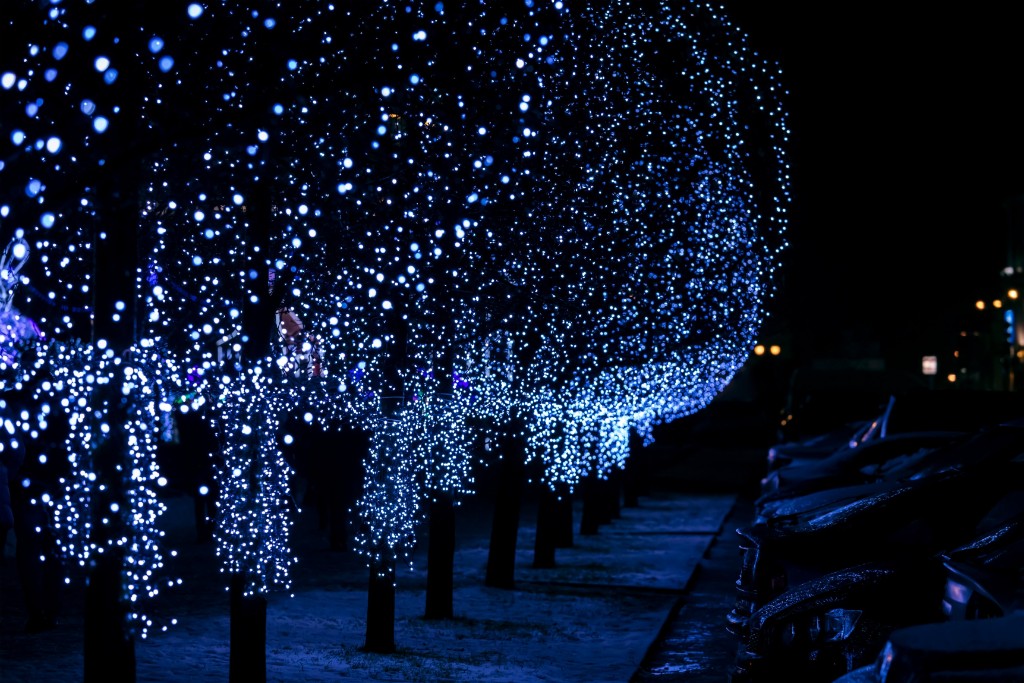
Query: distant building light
(1013, 294)
(980, 305)
(759, 350)
(951, 377)
(775, 349)
(929, 365)
(997, 304)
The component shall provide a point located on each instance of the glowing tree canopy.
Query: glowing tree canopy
(84, 90)
(632, 288)
(701, 189)
(559, 219)
(434, 128)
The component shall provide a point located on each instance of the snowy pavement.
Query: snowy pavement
(590, 619)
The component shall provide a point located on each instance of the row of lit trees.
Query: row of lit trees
(439, 224)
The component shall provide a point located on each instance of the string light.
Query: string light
(559, 219)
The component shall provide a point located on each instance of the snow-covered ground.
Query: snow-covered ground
(589, 619)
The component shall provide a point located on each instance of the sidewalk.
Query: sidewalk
(695, 646)
(590, 619)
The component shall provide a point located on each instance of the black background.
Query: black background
(907, 140)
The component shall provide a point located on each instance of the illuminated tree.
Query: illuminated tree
(224, 210)
(427, 145)
(640, 278)
(82, 96)
(708, 179)
(542, 226)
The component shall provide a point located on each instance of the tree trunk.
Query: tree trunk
(337, 528)
(633, 472)
(109, 648)
(602, 500)
(501, 556)
(547, 529)
(563, 513)
(630, 488)
(248, 659)
(590, 518)
(614, 493)
(380, 608)
(440, 557)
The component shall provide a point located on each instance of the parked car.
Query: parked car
(821, 399)
(825, 627)
(938, 507)
(848, 436)
(981, 637)
(903, 413)
(893, 458)
(836, 623)
(817, 446)
(977, 650)
(985, 579)
(849, 466)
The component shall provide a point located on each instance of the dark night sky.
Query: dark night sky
(907, 138)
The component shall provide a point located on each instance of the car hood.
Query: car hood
(851, 588)
(822, 593)
(968, 645)
(820, 502)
